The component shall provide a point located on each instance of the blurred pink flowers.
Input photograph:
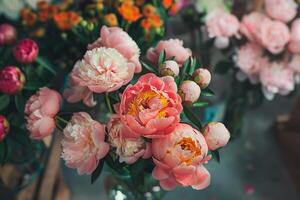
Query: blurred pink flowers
(83, 143)
(12, 80)
(40, 111)
(26, 51)
(8, 34)
(282, 10)
(179, 159)
(172, 47)
(294, 45)
(151, 107)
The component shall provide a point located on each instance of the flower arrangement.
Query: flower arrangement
(148, 125)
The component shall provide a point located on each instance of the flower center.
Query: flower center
(189, 145)
(143, 101)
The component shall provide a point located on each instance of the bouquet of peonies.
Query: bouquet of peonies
(148, 125)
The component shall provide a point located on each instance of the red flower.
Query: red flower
(11, 80)
(26, 51)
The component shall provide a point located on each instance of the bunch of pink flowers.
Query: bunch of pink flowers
(145, 123)
(270, 55)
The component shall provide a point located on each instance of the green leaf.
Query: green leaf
(95, 175)
(223, 67)
(20, 103)
(4, 101)
(207, 92)
(194, 64)
(33, 85)
(149, 67)
(4, 152)
(162, 57)
(20, 136)
(46, 64)
(216, 155)
(185, 68)
(200, 104)
(192, 117)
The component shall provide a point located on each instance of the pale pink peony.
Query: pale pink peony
(277, 77)
(202, 77)
(115, 37)
(220, 23)
(12, 80)
(26, 51)
(75, 94)
(274, 35)
(169, 68)
(189, 91)
(4, 127)
(151, 107)
(282, 10)
(179, 159)
(294, 45)
(251, 24)
(248, 57)
(216, 135)
(40, 111)
(102, 70)
(83, 143)
(8, 34)
(128, 148)
(172, 47)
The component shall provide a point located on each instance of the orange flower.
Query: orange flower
(40, 32)
(111, 19)
(156, 21)
(173, 9)
(139, 2)
(28, 17)
(42, 5)
(146, 24)
(129, 12)
(149, 10)
(43, 16)
(66, 20)
(167, 3)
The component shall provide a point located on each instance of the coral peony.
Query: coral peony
(294, 45)
(172, 47)
(118, 39)
(8, 34)
(26, 51)
(282, 10)
(179, 159)
(216, 135)
(4, 127)
(83, 143)
(12, 80)
(189, 92)
(277, 78)
(202, 77)
(169, 68)
(129, 149)
(102, 70)
(40, 111)
(152, 107)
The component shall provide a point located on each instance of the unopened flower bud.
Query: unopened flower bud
(12, 80)
(8, 34)
(169, 68)
(216, 135)
(26, 51)
(202, 77)
(189, 92)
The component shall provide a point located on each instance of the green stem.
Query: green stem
(107, 100)
(60, 119)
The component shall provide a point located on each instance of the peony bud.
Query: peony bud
(4, 127)
(8, 34)
(169, 68)
(12, 80)
(189, 92)
(216, 135)
(202, 77)
(26, 51)
(221, 42)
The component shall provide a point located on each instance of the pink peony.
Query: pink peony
(118, 39)
(83, 143)
(282, 10)
(40, 111)
(202, 77)
(189, 92)
(216, 135)
(277, 77)
(179, 159)
(294, 45)
(248, 57)
(129, 149)
(151, 107)
(4, 127)
(274, 35)
(102, 70)
(12, 80)
(8, 34)
(251, 24)
(220, 23)
(75, 94)
(172, 47)
(26, 51)
(169, 68)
